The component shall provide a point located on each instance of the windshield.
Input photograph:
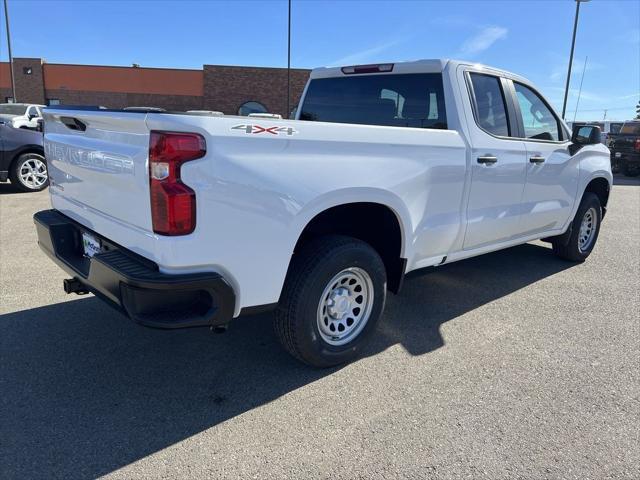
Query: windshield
(11, 109)
(631, 128)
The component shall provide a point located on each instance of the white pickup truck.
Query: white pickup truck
(188, 220)
(21, 115)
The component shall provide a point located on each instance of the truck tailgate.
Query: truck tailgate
(97, 164)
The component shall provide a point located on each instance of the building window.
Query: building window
(251, 107)
(9, 100)
(27, 70)
(53, 101)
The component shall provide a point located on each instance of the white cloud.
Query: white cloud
(367, 55)
(559, 72)
(482, 41)
(584, 94)
(626, 97)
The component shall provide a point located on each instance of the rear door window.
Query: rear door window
(397, 100)
(489, 104)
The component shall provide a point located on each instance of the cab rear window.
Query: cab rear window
(396, 100)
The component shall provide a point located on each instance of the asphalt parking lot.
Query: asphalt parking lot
(511, 365)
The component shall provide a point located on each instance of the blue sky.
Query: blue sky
(531, 38)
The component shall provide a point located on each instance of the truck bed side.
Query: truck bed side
(259, 184)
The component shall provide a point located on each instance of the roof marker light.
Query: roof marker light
(374, 68)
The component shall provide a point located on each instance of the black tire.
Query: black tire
(311, 271)
(568, 246)
(632, 170)
(17, 165)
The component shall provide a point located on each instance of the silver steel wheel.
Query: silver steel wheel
(32, 173)
(345, 306)
(587, 230)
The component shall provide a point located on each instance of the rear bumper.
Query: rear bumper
(133, 284)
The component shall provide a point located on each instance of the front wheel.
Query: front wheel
(578, 245)
(332, 300)
(29, 173)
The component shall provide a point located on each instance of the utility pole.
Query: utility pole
(573, 44)
(288, 112)
(13, 78)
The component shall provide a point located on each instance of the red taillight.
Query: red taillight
(173, 204)
(636, 145)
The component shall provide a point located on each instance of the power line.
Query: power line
(584, 69)
(602, 109)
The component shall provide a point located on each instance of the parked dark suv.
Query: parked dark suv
(625, 149)
(22, 158)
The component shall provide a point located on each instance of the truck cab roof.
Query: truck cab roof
(415, 66)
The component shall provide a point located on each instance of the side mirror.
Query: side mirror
(585, 135)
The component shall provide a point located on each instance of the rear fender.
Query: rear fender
(357, 195)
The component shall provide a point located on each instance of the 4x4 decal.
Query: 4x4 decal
(256, 129)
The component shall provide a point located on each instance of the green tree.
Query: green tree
(638, 111)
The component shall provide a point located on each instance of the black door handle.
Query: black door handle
(536, 159)
(487, 159)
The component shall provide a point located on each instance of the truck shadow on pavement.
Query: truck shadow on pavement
(85, 391)
(7, 189)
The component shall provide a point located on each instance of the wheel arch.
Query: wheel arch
(363, 217)
(601, 187)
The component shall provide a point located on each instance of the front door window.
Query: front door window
(538, 120)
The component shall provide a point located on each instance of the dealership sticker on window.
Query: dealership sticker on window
(257, 129)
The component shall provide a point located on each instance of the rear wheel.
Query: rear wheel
(332, 300)
(29, 173)
(578, 245)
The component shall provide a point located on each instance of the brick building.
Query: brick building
(214, 87)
